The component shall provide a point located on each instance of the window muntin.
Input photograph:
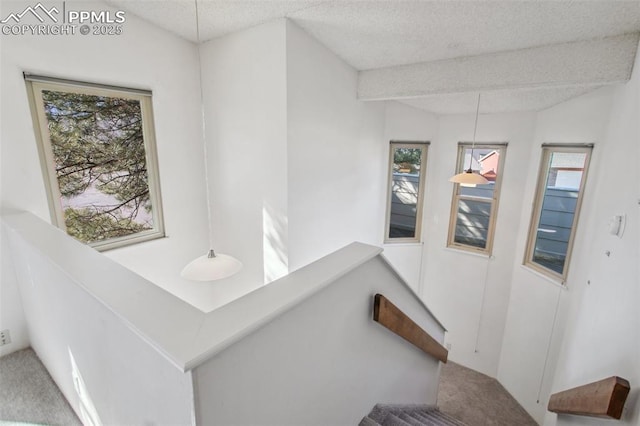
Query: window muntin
(97, 150)
(561, 181)
(474, 208)
(407, 166)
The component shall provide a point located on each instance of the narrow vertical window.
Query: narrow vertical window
(97, 150)
(474, 208)
(561, 181)
(407, 163)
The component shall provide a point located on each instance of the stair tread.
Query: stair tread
(413, 421)
(408, 415)
(368, 421)
(393, 420)
(379, 411)
(446, 419)
(427, 421)
(452, 419)
(433, 418)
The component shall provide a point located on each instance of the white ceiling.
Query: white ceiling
(371, 34)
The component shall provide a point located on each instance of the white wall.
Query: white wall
(405, 123)
(11, 310)
(245, 90)
(107, 371)
(142, 57)
(534, 332)
(335, 153)
(602, 330)
(454, 281)
(297, 163)
(323, 362)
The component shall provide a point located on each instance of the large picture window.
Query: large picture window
(474, 208)
(97, 150)
(407, 162)
(561, 181)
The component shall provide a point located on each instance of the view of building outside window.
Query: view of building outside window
(404, 206)
(474, 206)
(564, 176)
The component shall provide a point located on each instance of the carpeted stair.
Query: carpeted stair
(408, 415)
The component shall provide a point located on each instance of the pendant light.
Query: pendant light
(211, 266)
(468, 177)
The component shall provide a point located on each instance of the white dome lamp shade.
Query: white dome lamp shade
(468, 177)
(211, 266)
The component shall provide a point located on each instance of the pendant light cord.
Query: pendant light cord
(211, 253)
(546, 357)
(475, 129)
(484, 293)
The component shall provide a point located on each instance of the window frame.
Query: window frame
(501, 147)
(543, 173)
(394, 144)
(35, 85)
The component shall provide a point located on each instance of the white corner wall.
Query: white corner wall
(142, 57)
(405, 123)
(297, 163)
(245, 104)
(335, 153)
(602, 328)
(538, 308)
(468, 292)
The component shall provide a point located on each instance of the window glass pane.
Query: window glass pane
(473, 204)
(563, 180)
(405, 190)
(472, 222)
(98, 156)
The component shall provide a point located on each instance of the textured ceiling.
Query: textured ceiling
(498, 101)
(372, 34)
(216, 18)
(387, 33)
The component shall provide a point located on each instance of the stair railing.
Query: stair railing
(604, 398)
(390, 316)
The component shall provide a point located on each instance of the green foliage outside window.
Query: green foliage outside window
(98, 153)
(98, 145)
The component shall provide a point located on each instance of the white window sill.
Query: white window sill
(470, 253)
(547, 278)
(402, 244)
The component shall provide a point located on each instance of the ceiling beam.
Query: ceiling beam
(595, 62)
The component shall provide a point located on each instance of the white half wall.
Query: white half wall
(335, 174)
(324, 361)
(104, 365)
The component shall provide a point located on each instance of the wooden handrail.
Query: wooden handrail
(604, 398)
(387, 314)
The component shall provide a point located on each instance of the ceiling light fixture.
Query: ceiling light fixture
(211, 266)
(469, 177)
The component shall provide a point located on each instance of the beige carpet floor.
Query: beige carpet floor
(28, 394)
(477, 399)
